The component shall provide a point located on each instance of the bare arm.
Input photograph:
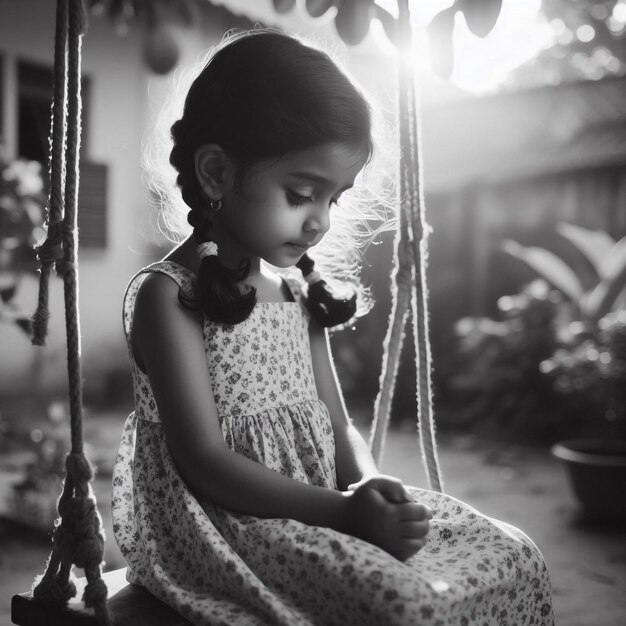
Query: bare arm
(168, 344)
(353, 457)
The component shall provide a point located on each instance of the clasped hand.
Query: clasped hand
(383, 514)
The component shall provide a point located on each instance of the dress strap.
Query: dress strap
(183, 277)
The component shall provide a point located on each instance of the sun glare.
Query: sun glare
(480, 65)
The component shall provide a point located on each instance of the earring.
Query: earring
(216, 205)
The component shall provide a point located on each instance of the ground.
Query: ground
(523, 486)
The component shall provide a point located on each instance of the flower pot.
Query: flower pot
(597, 473)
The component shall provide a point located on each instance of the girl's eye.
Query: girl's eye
(296, 199)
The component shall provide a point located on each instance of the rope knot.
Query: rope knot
(65, 268)
(53, 590)
(79, 467)
(51, 249)
(95, 593)
(77, 536)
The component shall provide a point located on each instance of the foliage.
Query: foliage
(590, 373)
(499, 384)
(33, 499)
(22, 203)
(587, 43)
(556, 364)
(605, 258)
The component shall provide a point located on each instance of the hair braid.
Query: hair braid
(325, 305)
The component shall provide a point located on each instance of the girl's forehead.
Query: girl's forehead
(334, 164)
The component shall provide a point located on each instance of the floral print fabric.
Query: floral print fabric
(218, 567)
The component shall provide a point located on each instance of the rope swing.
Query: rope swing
(409, 273)
(78, 538)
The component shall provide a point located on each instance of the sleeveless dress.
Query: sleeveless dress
(218, 567)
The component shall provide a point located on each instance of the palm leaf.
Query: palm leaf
(550, 267)
(614, 260)
(604, 296)
(594, 245)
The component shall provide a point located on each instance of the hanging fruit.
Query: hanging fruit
(160, 51)
(283, 6)
(389, 24)
(440, 32)
(353, 20)
(317, 8)
(480, 15)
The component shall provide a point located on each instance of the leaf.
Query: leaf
(550, 267)
(283, 6)
(317, 8)
(594, 245)
(480, 15)
(353, 20)
(605, 295)
(440, 40)
(389, 23)
(614, 261)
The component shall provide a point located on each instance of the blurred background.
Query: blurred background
(523, 111)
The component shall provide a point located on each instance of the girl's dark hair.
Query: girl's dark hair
(262, 95)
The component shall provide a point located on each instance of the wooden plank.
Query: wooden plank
(128, 604)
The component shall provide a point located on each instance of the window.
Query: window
(34, 96)
(34, 90)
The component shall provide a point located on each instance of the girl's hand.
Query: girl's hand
(391, 488)
(398, 527)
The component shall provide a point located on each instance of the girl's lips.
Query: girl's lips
(299, 246)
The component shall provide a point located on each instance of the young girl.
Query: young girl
(242, 493)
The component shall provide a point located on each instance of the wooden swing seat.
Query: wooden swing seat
(129, 605)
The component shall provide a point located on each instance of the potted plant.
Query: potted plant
(588, 366)
(22, 202)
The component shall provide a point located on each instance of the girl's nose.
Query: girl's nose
(318, 221)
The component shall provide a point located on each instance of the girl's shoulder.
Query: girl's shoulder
(179, 274)
(154, 281)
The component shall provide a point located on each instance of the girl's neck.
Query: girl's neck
(185, 254)
(268, 284)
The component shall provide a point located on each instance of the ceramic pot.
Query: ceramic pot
(597, 473)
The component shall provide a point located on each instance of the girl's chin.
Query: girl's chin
(282, 262)
(288, 256)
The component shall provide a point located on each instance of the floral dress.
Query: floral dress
(219, 567)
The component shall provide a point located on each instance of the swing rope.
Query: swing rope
(77, 538)
(410, 287)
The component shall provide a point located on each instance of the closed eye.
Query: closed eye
(296, 199)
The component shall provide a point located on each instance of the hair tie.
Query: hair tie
(208, 248)
(313, 277)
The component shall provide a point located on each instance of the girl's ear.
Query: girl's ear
(212, 169)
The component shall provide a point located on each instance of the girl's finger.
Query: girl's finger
(392, 488)
(414, 530)
(410, 547)
(414, 511)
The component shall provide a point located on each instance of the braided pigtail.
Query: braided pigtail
(218, 293)
(329, 309)
(218, 289)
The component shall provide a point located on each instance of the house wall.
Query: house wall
(124, 95)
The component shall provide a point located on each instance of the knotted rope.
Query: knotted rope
(78, 538)
(410, 256)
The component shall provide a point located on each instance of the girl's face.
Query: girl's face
(284, 206)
